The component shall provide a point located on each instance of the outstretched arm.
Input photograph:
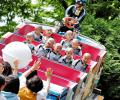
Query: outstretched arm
(48, 74)
(35, 66)
(15, 69)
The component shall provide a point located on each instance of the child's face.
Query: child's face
(69, 54)
(38, 31)
(48, 33)
(79, 7)
(69, 36)
(75, 44)
(58, 49)
(29, 38)
(50, 44)
(87, 60)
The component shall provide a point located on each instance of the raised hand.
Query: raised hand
(48, 72)
(16, 62)
(36, 65)
(15, 68)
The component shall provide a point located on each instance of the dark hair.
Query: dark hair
(2, 80)
(33, 73)
(79, 3)
(12, 84)
(7, 69)
(35, 84)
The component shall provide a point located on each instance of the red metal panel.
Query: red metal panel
(25, 29)
(14, 37)
(1, 47)
(89, 49)
(57, 37)
(61, 70)
(56, 80)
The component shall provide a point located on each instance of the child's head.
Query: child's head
(49, 32)
(57, 48)
(38, 30)
(29, 37)
(69, 53)
(75, 43)
(79, 5)
(86, 58)
(50, 43)
(69, 35)
(5, 69)
(2, 82)
(34, 84)
(12, 84)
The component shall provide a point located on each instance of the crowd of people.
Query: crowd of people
(29, 86)
(22, 87)
(51, 50)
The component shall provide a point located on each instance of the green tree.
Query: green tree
(101, 23)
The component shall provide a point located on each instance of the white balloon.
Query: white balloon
(17, 50)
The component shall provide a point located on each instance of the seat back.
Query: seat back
(91, 66)
(85, 48)
(14, 37)
(93, 51)
(34, 58)
(56, 80)
(1, 47)
(57, 37)
(61, 70)
(25, 29)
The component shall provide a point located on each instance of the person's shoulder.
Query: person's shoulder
(75, 62)
(44, 39)
(2, 97)
(52, 53)
(41, 45)
(31, 33)
(41, 36)
(61, 58)
(63, 41)
(79, 47)
(71, 6)
(41, 95)
(31, 45)
(64, 57)
(83, 10)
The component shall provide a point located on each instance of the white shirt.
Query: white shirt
(65, 44)
(2, 97)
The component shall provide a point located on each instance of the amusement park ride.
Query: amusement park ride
(66, 83)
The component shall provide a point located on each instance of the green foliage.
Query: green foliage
(102, 23)
(9, 28)
(11, 8)
(107, 32)
(107, 9)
